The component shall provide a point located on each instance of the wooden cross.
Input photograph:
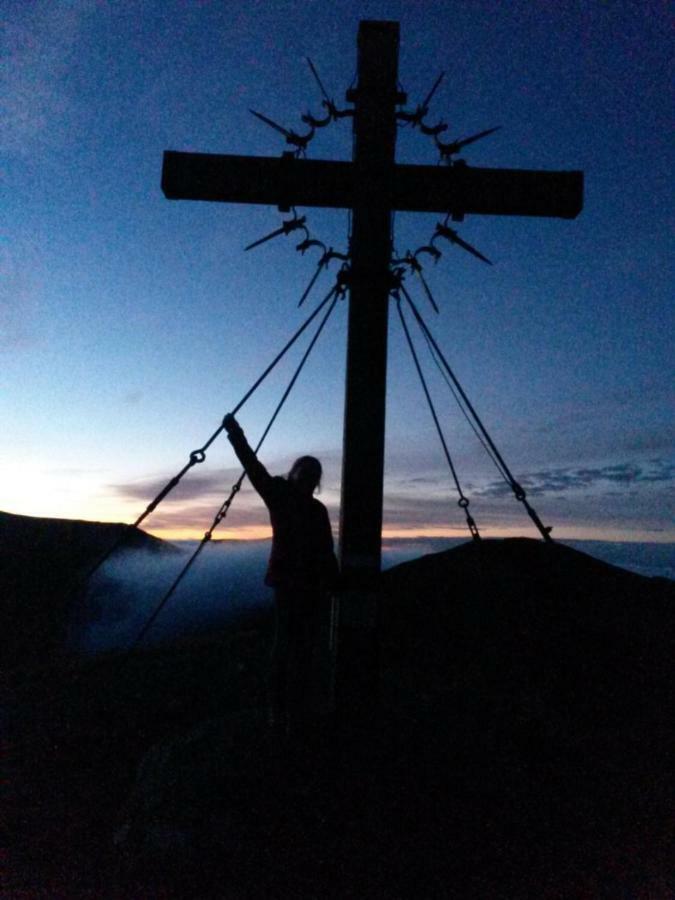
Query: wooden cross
(372, 185)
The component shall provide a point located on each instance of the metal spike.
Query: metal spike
(285, 228)
(298, 140)
(472, 250)
(268, 237)
(478, 137)
(427, 99)
(318, 80)
(279, 128)
(451, 235)
(456, 146)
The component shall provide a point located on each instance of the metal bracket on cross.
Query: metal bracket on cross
(299, 141)
(416, 118)
(444, 231)
(328, 104)
(411, 261)
(455, 147)
(286, 227)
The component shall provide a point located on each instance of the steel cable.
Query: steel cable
(463, 500)
(411, 261)
(517, 489)
(199, 455)
(458, 401)
(222, 512)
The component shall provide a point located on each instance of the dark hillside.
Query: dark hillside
(540, 639)
(40, 562)
(520, 746)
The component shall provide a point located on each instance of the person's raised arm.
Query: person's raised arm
(258, 475)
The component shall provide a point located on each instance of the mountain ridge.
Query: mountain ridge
(42, 564)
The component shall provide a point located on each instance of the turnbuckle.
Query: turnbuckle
(463, 503)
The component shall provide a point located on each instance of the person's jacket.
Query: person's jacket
(302, 555)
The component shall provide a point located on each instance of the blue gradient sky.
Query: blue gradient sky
(130, 324)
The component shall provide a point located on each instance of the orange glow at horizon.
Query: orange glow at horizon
(585, 532)
(241, 533)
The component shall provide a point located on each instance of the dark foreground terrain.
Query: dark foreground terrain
(43, 568)
(520, 746)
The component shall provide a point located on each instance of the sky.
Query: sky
(129, 324)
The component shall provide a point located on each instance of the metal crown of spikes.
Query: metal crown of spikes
(333, 112)
(447, 151)
(299, 223)
(415, 119)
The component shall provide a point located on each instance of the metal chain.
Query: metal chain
(198, 456)
(410, 261)
(224, 509)
(458, 401)
(518, 490)
(463, 502)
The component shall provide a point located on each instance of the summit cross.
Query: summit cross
(372, 185)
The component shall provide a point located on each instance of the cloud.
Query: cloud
(194, 502)
(616, 493)
(424, 481)
(418, 510)
(200, 516)
(657, 439)
(211, 487)
(558, 481)
(192, 487)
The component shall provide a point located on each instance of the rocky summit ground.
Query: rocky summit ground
(519, 746)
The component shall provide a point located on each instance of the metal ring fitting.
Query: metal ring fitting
(197, 456)
(463, 502)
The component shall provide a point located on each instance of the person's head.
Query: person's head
(305, 474)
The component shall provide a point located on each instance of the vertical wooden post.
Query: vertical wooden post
(375, 99)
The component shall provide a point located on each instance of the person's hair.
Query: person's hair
(311, 464)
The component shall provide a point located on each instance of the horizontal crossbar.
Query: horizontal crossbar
(287, 181)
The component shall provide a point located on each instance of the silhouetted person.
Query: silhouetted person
(302, 569)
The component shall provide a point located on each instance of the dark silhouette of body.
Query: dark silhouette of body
(302, 569)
